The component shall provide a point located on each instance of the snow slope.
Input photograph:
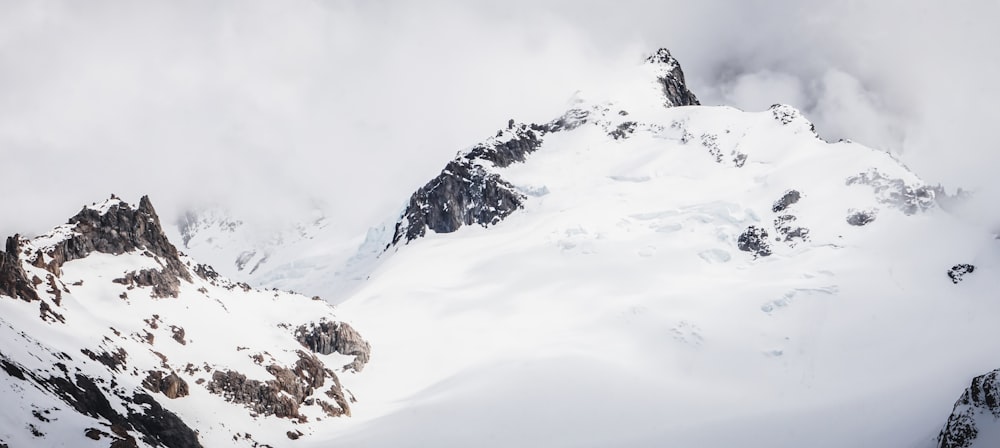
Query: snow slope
(615, 308)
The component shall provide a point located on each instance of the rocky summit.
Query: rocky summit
(113, 335)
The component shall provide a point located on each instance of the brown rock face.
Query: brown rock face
(282, 396)
(335, 337)
(118, 230)
(170, 385)
(14, 281)
(164, 283)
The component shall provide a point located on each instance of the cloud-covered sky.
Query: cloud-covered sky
(272, 107)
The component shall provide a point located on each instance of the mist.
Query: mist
(275, 108)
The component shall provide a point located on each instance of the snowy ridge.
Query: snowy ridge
(123, 340)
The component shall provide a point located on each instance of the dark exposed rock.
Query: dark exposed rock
(157, 426)
(14, 281)
(503, 153)
(335, 337)
(45, 312)
(754, 240)
(281, 396)
(979, 402)
(958, 272)
(178, 334)
(570, 120)
(463, 194)
(54, 290)
(789, 233)
(671, 80)
(860, 217)
(790, 197)
(206, 272)
(258, 396)
(786, 115)
(117, 230)
(623, 131)
(739, 159)
(170, 385)
(113, 361)
(38, 415)
(95, 434)
(160, 426)
(164, 284)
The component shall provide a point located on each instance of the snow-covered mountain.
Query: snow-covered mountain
(111, 337)
(631, 274)
(639, 271)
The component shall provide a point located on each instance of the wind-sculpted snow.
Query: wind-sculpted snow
(107, 336)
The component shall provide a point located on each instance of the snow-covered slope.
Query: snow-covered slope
(641, 271)
(638, 275)
(110, 337)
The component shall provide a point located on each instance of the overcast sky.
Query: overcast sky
(271, 107)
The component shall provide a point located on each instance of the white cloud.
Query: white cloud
(271, 106)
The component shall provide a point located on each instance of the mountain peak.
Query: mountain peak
(471, 191)
(671, 79)
(662, 56)
(111, 227)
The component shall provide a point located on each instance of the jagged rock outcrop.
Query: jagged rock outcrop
(162, 282)
(282, 396)
(786, 200)
(754, 240)
(14, 281)
(978, 405)
(524, 140)
(115, 229)
(170, 384)
(471, 191)
(958, 272)
(463, 194)
(671, 79)
(335, 337)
